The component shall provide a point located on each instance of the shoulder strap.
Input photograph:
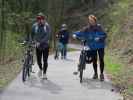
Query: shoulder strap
(35, 26)
(46, 26)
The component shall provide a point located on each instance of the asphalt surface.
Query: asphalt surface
(61, 84)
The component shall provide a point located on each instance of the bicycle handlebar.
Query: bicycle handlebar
(28, 43)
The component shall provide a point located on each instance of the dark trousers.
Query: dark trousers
(42, 53)
(95, 54)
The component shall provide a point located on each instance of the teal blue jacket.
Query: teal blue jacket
(91, 35)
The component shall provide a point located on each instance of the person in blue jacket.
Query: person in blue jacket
(63, 36)
(95, 38)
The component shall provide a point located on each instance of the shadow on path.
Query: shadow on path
(43, 85)
(69, 60)
(96, 84)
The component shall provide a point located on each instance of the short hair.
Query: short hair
(92, 17)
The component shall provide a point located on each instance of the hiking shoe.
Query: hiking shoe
(95, 76)
(102, 77)
(44, 76)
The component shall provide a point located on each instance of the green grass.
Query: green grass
(120, 70)
(130, 90)
(120, 74)
(8, 72)
(71, 49)
(112, 66)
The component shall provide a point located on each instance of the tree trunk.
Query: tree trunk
(3, 34)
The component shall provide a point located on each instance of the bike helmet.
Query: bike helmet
(40, 16)
(63, 27)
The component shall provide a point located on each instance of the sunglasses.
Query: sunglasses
(40, 18)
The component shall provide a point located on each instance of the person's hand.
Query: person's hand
(74, 36)
(97, 39)
(57, 36)
(62, 36)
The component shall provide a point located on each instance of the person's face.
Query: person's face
(41, 21)
(92, 22)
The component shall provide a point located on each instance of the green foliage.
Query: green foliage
(17, 16)
(115, 19)
(13, 48)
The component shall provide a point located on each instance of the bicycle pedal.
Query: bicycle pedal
(32, 72)
(44, 78)
(75, 73)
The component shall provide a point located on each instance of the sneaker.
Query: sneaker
(39, 73)
(95, 76)
(44, 76)
(102, 77)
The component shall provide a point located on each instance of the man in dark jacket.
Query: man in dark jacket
(41, 35)
(63, 40)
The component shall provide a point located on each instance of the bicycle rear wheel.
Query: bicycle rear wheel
(56, 55)
(24, 73)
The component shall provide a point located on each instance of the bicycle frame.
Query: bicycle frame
(82, 59)
(28, 60)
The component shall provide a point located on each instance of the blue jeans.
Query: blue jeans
(64, 51)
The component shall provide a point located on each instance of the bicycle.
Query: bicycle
(28, 59)
(84, 58)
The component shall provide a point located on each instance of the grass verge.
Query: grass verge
(8, 72)
(121, 75)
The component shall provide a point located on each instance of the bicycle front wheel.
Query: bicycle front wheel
(25, 71)
(82, 66)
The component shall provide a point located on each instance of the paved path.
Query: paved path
(61, 84)
(75, 46)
